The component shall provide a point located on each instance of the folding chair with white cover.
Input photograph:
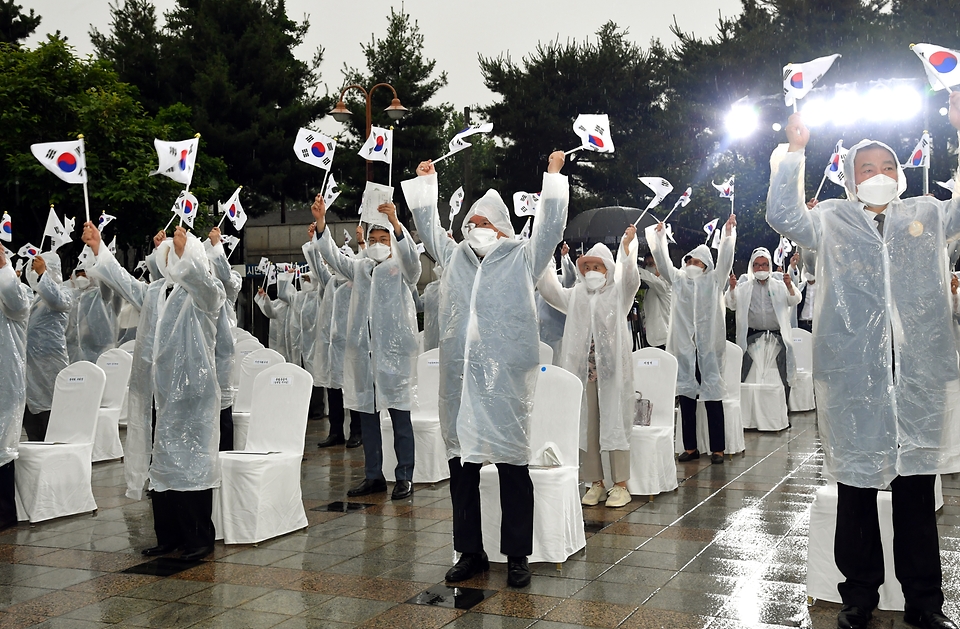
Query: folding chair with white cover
(129, 346)
(259, 496)
(763, 401)
(732, 423)
(653, 469)
(822, 572)
(241, 349)
(801, 393)
(430, 462)
(557, 514)
(546, 354)
(250, 367)
(53, 476)
(116, 364)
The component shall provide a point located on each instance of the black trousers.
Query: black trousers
(316, 404)
(336, 415)
(688, 419)
(516, 507)
(35, 424)
(8, 505)
(226, 429)
(916, 545)
(805, 324)
(182, 519)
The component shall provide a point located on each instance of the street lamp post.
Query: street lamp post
(396, 111)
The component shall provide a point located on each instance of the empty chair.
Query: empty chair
(242, 349)
(801, 393)
(116, 364)
(250, 367)
(557, 514)
(53, 476)
(732, 423)
(546, 354)
(653, 469)
(763, 402)
(430, 463)
(259, 495)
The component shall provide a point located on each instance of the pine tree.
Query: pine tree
(15, 26)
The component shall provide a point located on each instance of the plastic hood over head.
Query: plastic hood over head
(167, 255)
(849, 171)
(54, 269)
(702, 253)
(759, 252)
(491, 207)
(308, 283)
(601, 251)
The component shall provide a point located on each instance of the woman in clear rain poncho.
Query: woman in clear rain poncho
(552, 320)
(284, 317)
(697, 334)
(379, 370)
(314, 285)
(14, 309)
(884, 364)
(489, 352)
(93, 326)
(176, 348)
(46, 340)
(597, 348)
(276, 311)
(656, 304)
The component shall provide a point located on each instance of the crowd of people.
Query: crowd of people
(871, 281)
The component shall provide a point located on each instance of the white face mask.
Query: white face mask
(378, 252)
(594, 280)
(761, 275)
(877, 191)
(481, 240)
(693, 271)
(82, 282)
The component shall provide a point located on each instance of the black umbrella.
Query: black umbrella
(605, 225)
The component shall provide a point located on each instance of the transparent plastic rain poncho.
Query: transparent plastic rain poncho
(697, 335)
(231, 282)
(94, 326)
(489, 337)
(656, 307)
(14, 310)
(310, 326)
(276, 311)
(431, 322)
(294, 327)
(339, 318)
(783, 304)
(601, 317)
(46, 332)
(880, 301)
(381, 334)
(552, 320)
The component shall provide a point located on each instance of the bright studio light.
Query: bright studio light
(776, 126)
(881, 103)
(741, 121)
(944, 111)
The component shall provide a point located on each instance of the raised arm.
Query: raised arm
(14, 296)
(221, 268)
(267, 306)
(657, 240)
(421, 195)
(568, 270)
(109, 271)
(405, 250)
(728, 243)
(552, 218)
(787, 213)
(552, 291)
(190, 272)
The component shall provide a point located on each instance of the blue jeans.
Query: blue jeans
(373, 444)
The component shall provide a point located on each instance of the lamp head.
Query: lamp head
(396, 111)
(340, 113)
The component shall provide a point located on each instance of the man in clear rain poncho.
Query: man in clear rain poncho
(173, 385)
(551, 320)
(46, 340)
(379, 370)
(597, 347)
(314, 285)
(697, 334)
(884, 365)
(93, 326)
(284, 316)
(14, 308)
(488, 357)
(763, 301)
(431, 308)
(656, 303)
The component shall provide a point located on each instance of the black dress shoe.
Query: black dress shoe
(851, 617)
(926, 620)
(518, 572)
(688, 456)
(403, 489)
(159, 549)
(331, 440)
(470, 565)
(196, 554)
(368, 486)
(355, 441)
(716, 459)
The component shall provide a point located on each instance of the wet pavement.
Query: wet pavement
(724, 551)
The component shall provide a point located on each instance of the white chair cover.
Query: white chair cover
(259, 495)
(546, 354)
(732, 423)
(116, 364)
(653, 469)
(242, 349)
(129, 346)
(251, 365)
(430, 463)
(822, 572)
(801, 393)
(763, 402)
(557, 514)
(53, 476)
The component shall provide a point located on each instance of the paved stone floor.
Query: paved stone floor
(727, 550)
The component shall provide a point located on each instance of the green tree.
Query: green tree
(398, 60)
(15, 26)
(49, 94)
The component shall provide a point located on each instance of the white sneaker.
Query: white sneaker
(618, 496)
(595, 494)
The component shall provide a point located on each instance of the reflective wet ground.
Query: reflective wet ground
(726, 550)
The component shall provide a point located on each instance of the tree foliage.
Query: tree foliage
(15, 25)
